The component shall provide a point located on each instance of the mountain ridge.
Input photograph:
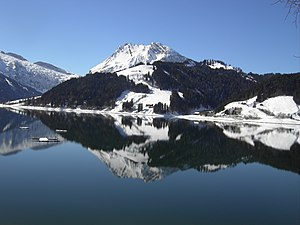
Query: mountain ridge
(29, 74)
(130, 55)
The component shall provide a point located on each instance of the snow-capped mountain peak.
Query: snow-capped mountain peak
(130, 55)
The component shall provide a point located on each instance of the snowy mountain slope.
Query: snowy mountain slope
(130, 55)
(147, 100)
(30, 74)
(137, 73)
(10, 90)
(280, 106)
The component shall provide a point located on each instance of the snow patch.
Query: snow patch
(218, 65)
(180, 94)
(9, 83)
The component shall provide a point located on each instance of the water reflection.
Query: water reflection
(152, 148)
(17, 131)
(67, 185)
(281, 137)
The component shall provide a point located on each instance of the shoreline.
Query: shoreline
(217, 119)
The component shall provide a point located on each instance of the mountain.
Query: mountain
(130, 55)
(92, 91)
(41, 78)
(154, 78)
(11, 90)
(175, 83)
(186, 89)
(52, 67)
(193, 85)
(199, 86)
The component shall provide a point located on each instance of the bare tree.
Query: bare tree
(294, 10)
(293, 7)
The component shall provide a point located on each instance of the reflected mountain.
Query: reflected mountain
(277, 137)
(152, 148)
(17, 131)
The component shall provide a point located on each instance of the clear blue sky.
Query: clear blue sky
(77, 35)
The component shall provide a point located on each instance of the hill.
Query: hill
(92, 91)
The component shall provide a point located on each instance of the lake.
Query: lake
(109, 169)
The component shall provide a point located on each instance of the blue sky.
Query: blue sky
(77, 35)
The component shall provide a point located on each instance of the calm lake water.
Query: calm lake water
(121, 170)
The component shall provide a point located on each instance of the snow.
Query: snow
(218, 65)
(8, 82)
(30, 74)
(148, 100)
(178, 137)
(280, 106)
(180, 94)
(137, 73)
(166, 72)
(130, 55)
(250, 78)
(140, 69)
